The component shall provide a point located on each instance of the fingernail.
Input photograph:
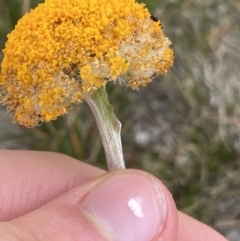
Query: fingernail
(127, 207)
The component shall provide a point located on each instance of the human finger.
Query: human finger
(191, 229)
(29, 179)
(125, 205)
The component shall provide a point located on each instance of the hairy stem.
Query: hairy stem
(109, 128)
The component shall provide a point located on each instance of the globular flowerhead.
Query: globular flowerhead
(65, 49)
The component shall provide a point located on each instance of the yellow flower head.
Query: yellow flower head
(65, 49)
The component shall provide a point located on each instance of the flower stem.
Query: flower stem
(109, 128)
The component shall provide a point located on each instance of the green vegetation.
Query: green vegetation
(183, 127)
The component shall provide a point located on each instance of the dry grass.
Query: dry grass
(183, 127)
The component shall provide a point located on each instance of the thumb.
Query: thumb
(126, 205)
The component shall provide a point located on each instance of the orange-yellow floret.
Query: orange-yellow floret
(65, 49)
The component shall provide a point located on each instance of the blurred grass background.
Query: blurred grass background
(183, 127)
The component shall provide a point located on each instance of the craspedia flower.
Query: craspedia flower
(66, 49)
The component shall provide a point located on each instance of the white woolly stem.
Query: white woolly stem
(109, 128)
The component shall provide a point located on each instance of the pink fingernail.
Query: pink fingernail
(128, 206)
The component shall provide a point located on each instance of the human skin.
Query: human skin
(53, 197)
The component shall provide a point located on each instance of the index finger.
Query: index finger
(29, 179)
